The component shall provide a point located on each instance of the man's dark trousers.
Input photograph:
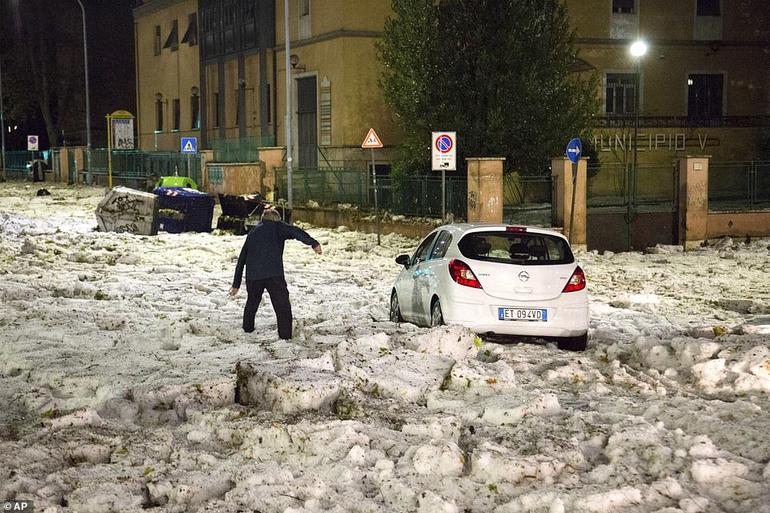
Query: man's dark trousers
(279, 296)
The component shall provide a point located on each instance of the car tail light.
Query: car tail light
(515, 228)
(462, 274)
(576, 282)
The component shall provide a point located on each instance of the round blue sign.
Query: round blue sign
(444, 144)
(574, 149)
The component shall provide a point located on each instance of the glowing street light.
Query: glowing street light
(638, 49)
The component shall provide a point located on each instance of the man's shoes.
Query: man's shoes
(248, 330)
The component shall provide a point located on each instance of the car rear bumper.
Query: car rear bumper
(564, 320)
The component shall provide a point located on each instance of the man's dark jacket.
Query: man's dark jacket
(262, 253)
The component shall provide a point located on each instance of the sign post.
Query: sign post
(574, 150)
(120, 136)
(189, 146)
(372, 141)
(444, 158)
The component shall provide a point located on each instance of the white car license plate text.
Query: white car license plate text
(522, 314)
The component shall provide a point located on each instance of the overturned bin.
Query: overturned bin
(184, 210)
(126, 210)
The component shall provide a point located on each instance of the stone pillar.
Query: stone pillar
(80, 164)
(561, 202)
(206, 156)
(485, 190)
(693, 200)
(64, 166)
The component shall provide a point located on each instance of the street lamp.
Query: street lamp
(638, 49)
(88, 102)
(287, 55)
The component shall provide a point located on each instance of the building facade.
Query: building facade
(703, 83)
(168, 95)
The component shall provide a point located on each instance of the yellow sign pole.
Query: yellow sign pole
(109, 150)
(118, 114)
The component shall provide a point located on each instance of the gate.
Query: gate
(631, 209)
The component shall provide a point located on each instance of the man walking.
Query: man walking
(262, 254)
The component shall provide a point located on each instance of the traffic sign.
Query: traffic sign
(189, 145)
(372, 140)
(33, 143)
(444, 151)
(574, 150)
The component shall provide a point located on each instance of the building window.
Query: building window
(156, 43)
(708, 8)
(216, 117)
(172, 41)
(620, 94)
(623, 6)
(158, 112)
(195, 109)
(191, 35)
(304, 19)
(705, 95)
(176, 113)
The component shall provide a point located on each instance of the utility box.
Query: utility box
(126, 210)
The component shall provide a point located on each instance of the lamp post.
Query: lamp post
(638, 49)
(287, 54)
(88, 102)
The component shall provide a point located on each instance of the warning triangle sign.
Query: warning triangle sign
(189, 147)
(372, 140)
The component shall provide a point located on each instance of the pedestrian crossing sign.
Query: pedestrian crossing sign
(372, 140)
(189, 145)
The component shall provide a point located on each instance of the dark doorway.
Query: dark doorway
(307, 114)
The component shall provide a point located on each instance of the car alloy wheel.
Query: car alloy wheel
(436, 317)
(395, 309)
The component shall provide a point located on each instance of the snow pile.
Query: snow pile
(127, 384)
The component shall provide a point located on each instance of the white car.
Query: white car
(495, 279)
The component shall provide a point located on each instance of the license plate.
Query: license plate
(523, 314)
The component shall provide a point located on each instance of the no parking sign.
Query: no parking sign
(444, 151)
(33, 143)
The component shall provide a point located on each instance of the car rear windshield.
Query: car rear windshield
(521, 248)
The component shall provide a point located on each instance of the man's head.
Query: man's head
(271, 214)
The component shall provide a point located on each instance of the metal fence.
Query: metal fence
(16, 163)
(739, 185)
(408, 195)
(527, 199)
(137, 166)
(242, 149)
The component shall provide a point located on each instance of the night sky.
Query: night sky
(110, 33)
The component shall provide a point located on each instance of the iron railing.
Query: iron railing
(682, 121)
(739, 185)
(405, 195)
(138, 166)
(242, 149)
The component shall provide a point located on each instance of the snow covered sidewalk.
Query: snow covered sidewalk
(126, 382)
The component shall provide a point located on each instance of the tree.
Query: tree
(42, 56)
(499, 72)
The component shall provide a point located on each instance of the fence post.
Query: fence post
(561, 171)
(693, 200)
(485, 190)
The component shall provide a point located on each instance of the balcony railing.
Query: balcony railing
(682, 121)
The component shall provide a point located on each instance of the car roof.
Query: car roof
(463, 228)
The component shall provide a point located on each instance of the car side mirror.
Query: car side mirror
(403, 260)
